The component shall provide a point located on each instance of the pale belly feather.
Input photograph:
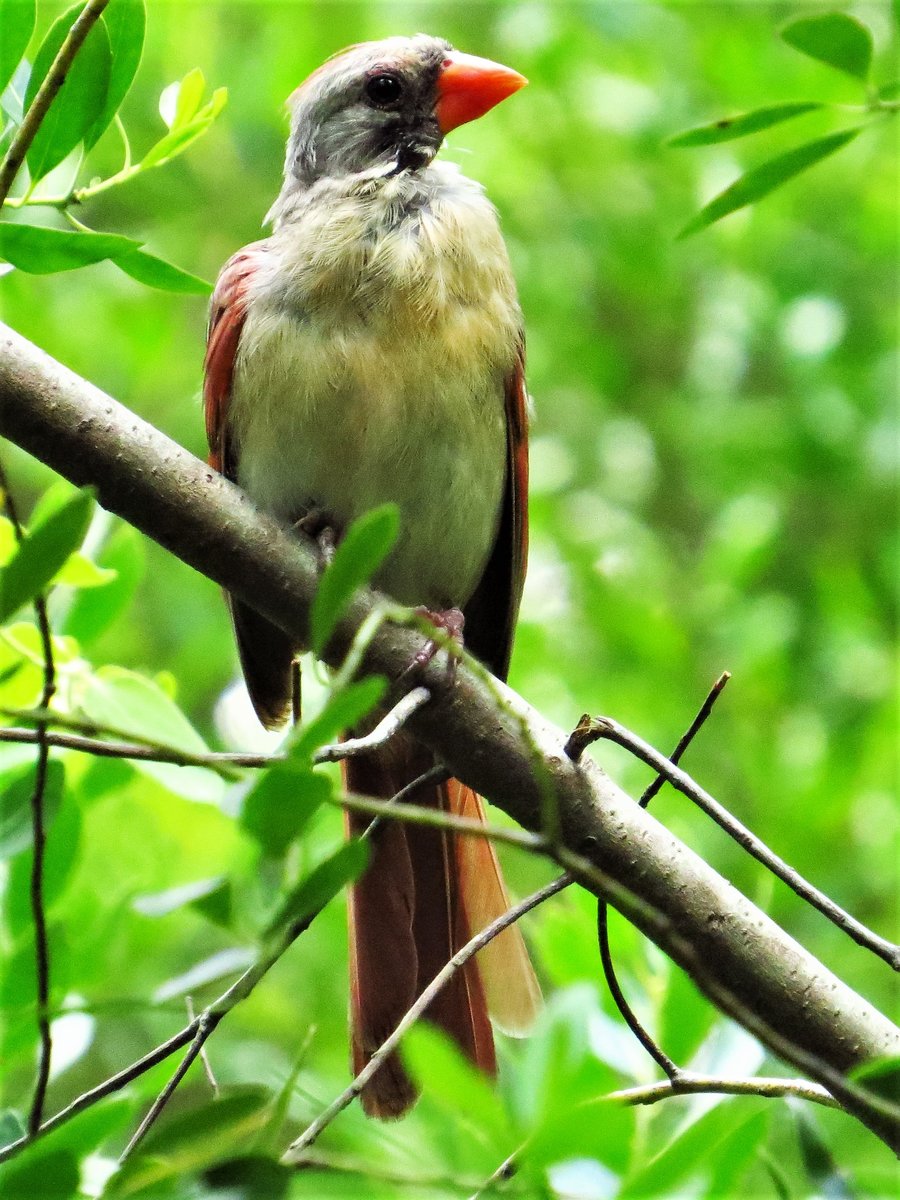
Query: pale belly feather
(340, 421)
(381, 378)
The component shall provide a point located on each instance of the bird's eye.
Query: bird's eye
(384, 89)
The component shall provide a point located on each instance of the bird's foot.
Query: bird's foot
(450, 621)
(317, 525)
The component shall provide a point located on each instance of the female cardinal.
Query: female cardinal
(371, 350)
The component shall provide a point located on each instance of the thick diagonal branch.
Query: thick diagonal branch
(488, 736)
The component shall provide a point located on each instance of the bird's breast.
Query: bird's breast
(371, 368)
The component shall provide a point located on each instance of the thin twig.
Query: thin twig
(628, 1014)
(416, 814)
(39, 840)
(690, 1083)
(206, 1023)
(109, 1087)
(443, 977)
(53, 81)
(433, 776)
(688, 736)
(210, 1018)
(204, 1057)
(149, 750)
(593, 729)
(387, 728)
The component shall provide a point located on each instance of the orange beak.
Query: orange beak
(469, 86)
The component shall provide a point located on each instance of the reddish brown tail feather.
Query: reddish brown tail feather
(407, 919)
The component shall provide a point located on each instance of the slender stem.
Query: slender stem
(53, 81)
(293, 1154)
(690, 1084)
(593, 729)
(658, 1055)
(386, 728)
(204, 1057)
(148, 750)
(688, 736)
(109, 1087)
(627, 1012)
(39, 840)
(687, 1083)
(206, 1024)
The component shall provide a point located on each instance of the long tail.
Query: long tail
(423, 895)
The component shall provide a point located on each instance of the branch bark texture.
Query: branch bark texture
(487, 735)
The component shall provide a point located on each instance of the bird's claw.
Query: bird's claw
(450, 621)
(316, 524)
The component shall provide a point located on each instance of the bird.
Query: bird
(371, 350)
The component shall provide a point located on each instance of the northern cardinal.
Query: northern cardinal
(371, 350)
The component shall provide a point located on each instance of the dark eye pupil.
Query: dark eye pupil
(384, 89)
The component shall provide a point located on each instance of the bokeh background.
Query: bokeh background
(714, 456)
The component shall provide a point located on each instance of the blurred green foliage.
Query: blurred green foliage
(714, 447)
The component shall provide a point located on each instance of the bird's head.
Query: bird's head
(389, 102)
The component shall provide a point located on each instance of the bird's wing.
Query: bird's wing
(227, 312)
(266, 653)
(492, 611)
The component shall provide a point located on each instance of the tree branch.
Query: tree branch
(594, 728)
(749, 967)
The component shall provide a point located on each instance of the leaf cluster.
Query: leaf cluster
(836, 39)
(83, 107)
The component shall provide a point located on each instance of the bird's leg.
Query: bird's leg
(450, 621)
(317, 524)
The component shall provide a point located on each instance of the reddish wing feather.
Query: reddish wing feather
(227, 311)
(266, 653)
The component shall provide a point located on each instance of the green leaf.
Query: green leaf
(42, 553)
(890, 91)
(187, 101)
(79, 571)
(157, 273)
(15, 806)
(251, 1177)
(194, 1139)
(341, 712)
(881, 1076)
(363, 549)
(16, 28)
(134, 704)
(53, 1175)
(451, 1081)
(697, 1147)
(160, 904)
(757, 183)
(11, 1125)
(78, 103)
(124, 21)
(93, 612)
(322, 884)
(281, 804)
(729, 128)
(41, 251)
(836, 39)
(180, 136)
(43, 1171)
(179, 103)
(818, 1160)
(559, 1078)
